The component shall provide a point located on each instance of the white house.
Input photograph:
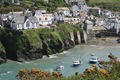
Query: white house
(23, 22)
(100, 21)
(64, 10)
(75, 10)
(113, 24)
(44, 19)
(72, 20)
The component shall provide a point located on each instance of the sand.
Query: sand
(109, 41)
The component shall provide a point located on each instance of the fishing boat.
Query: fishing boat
(94, 59)
(76, 63)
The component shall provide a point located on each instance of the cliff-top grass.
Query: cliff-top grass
(105, 1)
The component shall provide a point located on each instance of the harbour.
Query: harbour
(10, 69)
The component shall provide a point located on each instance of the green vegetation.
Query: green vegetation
(8, 7)
(2, 49)
(42, 41)
(32, 5)
(105, 1)
(106, 4)
(105, 70)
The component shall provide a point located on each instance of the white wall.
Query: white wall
(25, 25)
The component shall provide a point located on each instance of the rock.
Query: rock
(3, 58)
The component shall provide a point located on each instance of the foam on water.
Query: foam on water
(52, 56)
(64, 52)
(27, 62)
(5, 73)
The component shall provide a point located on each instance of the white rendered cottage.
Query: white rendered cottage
(23, 22)
(64, 10)
(44, 19)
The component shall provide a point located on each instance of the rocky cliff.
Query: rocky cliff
(2, 54)
(32, 44)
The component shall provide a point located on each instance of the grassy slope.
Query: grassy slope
(106, 4)
(105, 1)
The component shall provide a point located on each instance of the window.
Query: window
(27, 24)
(45, 18)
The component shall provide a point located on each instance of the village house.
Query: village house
(45, 20)
(75, 10)
(43, 11)
(59, 17)
(95, 11)
(100, 21)
(88, 25)
(72, 20)
(113, 24)
(16, 2)
(23, 22)
(83, 16)
(6, 18)
(106, 13)
(75, 2)
(64, 10)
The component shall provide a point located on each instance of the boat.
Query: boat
(76, 63)
(59, 68)
(94, 59)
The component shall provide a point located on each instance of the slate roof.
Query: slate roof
(75, 8)
(19, 19)
(33, 19)
(38, 12)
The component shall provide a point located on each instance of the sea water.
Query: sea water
(9, 70)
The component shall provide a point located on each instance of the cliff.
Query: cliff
(2, 54)
(32, 44)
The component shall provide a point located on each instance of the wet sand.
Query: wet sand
(109, 41)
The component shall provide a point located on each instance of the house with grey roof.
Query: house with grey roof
(23, 22)
(75, 10)
(64, 10)
(16, 2)
(113, 24)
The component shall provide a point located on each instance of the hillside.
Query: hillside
(32, 5)
(106, 4)
(105, 1)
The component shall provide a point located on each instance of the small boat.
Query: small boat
(59, 68)
(76, 63)
(94, 59)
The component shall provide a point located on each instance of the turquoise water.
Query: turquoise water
(9, 70)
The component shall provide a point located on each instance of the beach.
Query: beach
(109, 41)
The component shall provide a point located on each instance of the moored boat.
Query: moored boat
(59, 68)
(76, 63)
(94, 59)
